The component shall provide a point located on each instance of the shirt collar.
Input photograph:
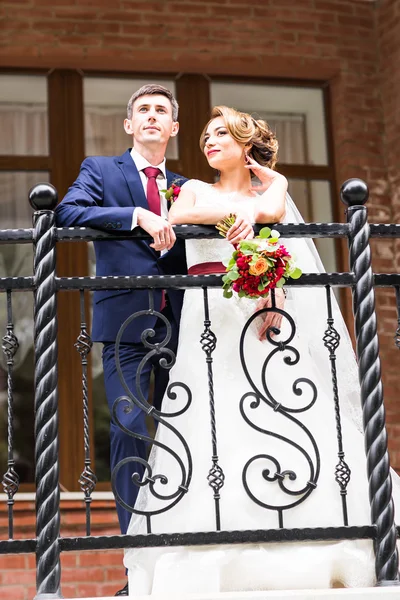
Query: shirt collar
(141, 163)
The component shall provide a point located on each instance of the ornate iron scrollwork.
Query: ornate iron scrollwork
(166, 359)
(10, 480)
(87, 479)
(273, 473)
(331, 341)
(216, 477)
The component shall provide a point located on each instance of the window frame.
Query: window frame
(66, 152)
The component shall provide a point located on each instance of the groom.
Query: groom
(122, 193)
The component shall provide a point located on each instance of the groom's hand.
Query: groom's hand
(160, 230)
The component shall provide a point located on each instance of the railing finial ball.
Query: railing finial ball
(43, 196)
(354, 192)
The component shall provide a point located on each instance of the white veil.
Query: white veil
(311, 321)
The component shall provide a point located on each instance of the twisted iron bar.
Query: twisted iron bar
(216, 476)
(10, 478)
(378, 465)
(331, 341)
(87, 479)
(397, 334)
(46, 410)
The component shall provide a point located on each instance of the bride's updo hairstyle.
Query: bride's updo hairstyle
(249, 131)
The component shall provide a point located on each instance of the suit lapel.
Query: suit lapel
(132, 177)
(170, 177)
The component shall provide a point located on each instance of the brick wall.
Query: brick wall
(389, 56)
(83, 574)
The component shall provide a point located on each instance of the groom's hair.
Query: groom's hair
(153, 89)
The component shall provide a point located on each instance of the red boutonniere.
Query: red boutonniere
(172, 193)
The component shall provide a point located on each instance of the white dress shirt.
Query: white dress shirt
(141, 163)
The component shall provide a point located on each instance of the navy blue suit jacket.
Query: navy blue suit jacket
(103, 196)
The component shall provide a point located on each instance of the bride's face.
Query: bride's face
(220, 148)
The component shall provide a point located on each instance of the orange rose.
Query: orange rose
(260, 267)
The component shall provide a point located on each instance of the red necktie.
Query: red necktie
(153, 200)
(153, 194)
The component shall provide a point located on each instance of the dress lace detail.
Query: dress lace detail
(248, 567)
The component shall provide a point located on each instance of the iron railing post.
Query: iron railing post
(43, 198)
(354, 193)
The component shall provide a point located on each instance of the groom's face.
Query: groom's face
(151, 121)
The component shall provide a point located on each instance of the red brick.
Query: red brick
(90, 590)
(68, 590)
(30, 561)
(13, 577)
(13, 592)
(88, 559)
(115, 573)
(109, 589)
(12, 561)
(79, 575)
(70, 559)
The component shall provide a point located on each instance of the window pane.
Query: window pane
(23, 115)
(296, 114)
(313, 199)
(105, 101)
(16, 260)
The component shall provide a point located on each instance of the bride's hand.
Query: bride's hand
(242, 229)
(264, 174)
(270, 319)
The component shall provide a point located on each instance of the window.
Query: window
(105, 101)
(23, 147)
(297, 115)
(46, 134)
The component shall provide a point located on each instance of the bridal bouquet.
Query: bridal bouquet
(258, 265)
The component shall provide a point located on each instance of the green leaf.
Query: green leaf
(296, 273)
(281, 282)
(233, 275)
(229, 262)
(265, 232)
(261, 287)
(226, 279)
(228, 294)
(273, 240)
(242, 294)
(248, 245)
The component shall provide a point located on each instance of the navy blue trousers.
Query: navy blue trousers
(122, 445)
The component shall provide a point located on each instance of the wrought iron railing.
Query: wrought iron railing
(45, 285)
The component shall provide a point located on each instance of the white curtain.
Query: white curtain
(24, 132)
(105, 135)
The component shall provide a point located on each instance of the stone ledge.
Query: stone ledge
(389, 593)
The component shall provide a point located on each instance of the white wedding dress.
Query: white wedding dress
(264, 566)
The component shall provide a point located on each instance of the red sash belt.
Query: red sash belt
(207, 268)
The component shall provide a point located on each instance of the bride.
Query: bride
(248, 431)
